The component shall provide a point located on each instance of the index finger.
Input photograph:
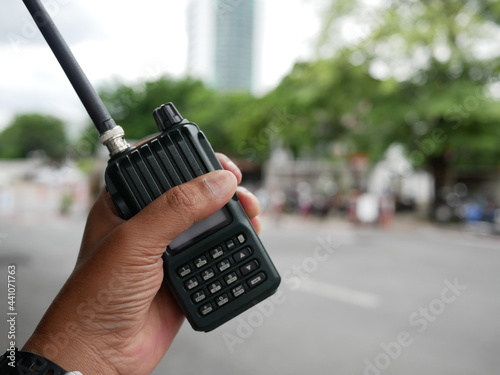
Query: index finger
(229, 165)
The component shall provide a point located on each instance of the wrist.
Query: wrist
(73, 356)
(15, 362)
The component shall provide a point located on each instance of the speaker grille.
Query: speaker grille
(152, 168)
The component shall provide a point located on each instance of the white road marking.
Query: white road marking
(339, 293)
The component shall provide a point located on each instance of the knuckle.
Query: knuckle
(183, 202)
(179, 197)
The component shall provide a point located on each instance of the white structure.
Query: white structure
(221, 43)
(395, 174)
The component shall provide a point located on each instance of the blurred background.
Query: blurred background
(369, 130)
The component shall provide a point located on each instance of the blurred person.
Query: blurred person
(387, 209)
(114, 315)
(489, 210)
(352, 201)
(473, 212)
(474, 216)
(66, 201)
(277, 203)
(321, 205)
(367, 208)
(340, 203)
(304, 198)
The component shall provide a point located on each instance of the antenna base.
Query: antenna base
(114, 140)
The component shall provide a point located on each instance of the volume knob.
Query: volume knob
(166, 116)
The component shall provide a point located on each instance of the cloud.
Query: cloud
(18, 29)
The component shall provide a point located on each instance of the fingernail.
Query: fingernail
(243, 189)
(220, 183)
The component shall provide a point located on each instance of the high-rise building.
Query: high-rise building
(221, 43)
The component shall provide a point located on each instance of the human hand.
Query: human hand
(114, 315)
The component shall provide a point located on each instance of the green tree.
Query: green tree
(425, 78)
(34, 132)
(219, 115)
(132, 105)
(331, 101)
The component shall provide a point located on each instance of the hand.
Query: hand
(114, 315)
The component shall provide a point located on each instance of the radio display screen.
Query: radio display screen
(201, 228)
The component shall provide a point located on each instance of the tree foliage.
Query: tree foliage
(222, 116)
(428, 78)
(34, 132)
(424, 79)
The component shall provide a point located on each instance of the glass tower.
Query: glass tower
(221, 43)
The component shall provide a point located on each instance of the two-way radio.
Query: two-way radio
(216, 269)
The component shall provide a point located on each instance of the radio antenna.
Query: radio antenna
(110, 134)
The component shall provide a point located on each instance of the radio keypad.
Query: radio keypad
(231, 278)
(238, 291)
(241, 238)
(208, 274)
(223, 264)
(230, 245)
(217, 252)
(206, 309)
(242, 254)
(249, 267)
(191, 283)
(201, 261)
(199, 296)
(215, 287)
(222, 300)
(257, 279)
(184, 271)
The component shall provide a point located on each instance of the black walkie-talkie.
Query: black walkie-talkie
(216, 269)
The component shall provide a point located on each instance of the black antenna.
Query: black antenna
(110, 134)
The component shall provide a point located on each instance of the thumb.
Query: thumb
(150, 231)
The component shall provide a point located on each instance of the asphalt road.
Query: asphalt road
(412, 299)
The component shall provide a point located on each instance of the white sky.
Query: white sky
(128, 41)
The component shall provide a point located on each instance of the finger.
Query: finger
(229, 165)
(256, 223)
(249, 202)
(102, 220)
(153, 228)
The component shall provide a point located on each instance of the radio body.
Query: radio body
(216, 269)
